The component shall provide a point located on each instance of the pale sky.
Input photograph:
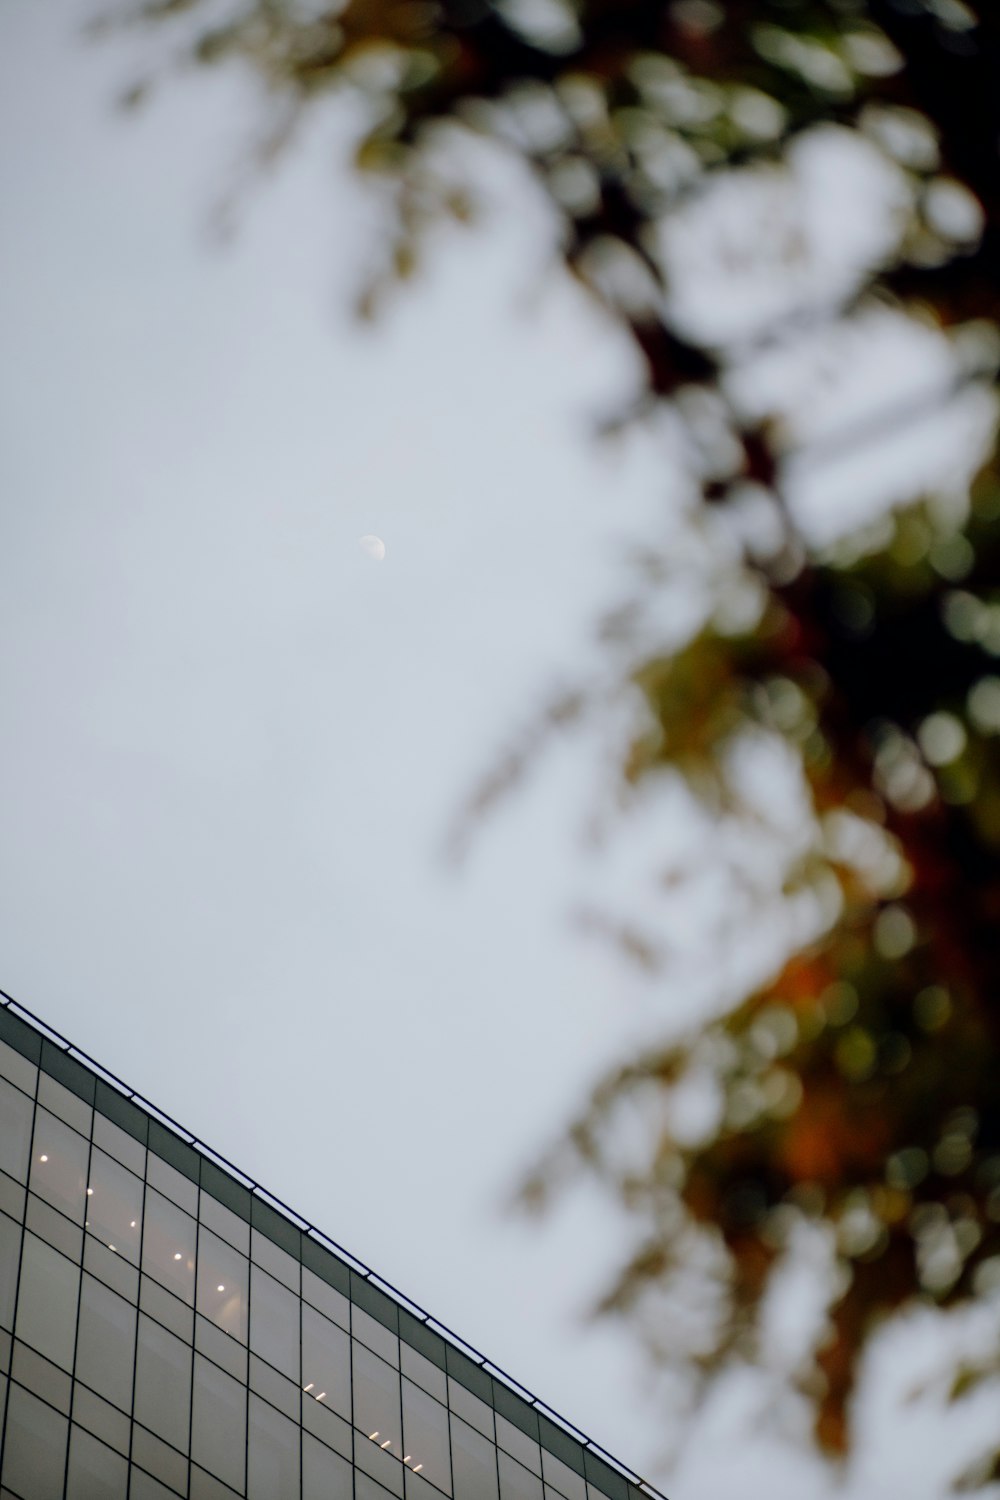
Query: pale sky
(234, 744)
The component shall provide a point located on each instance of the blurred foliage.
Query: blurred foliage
(857, 1090)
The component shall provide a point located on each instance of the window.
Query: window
(224, 1222)
(274, 1323)
(35, 1447)
(168, 1243)
(220, 1348)
(46, 1301)
(163, 1383)
(95, 1472)
(105, 1354)
(15, 1130)
(114, 1206)
(425, 1436)
(277, 1262)
(516, 1483)
(373, 1333)
(119, 1144)
(143, 1487)
(276, 1389)
(10, 1254)
(472, 1410)
(519, 1445)
(218, 1423)
(222, 1285)
(563, 1478)
(167, 1309)
(18, 1069)
(173, 1184)
(423, 1372)
(272, 1454)
(325, 1475)
(376, 1400)
(64, 1103)
(326, 1362)
(331, 1303)
(59, 1166)
(100, 1418)
(366, 1488)
(475, 1463)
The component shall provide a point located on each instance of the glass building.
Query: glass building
(169, 1329)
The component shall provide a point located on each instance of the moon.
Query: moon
(373, 546)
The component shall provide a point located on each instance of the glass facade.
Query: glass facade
(167, 1331)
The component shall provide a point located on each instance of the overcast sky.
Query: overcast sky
(233, 744)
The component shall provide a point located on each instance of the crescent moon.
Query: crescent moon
(373, 546)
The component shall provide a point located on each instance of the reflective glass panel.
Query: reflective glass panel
(331, 1303)
(425, 1436)
(519, 1445)
(423, 1372)
(373, 1333)
(144, 1487)
(166, 1309)
(325, 1475)
(275, 1388)
(114, 1206)
(562, 1478)
(382, 1464)
(222, 1285)
(273, 1454)
(224, 1222)
(61, 1101)
(277, 1262)
(46, 1301)
(16, 1110)
(220, 1348)
(516, 1483)
(168, 1246)
(10, 1251)
(326, 1362)
(95, 1472)
(119, 1144)
(18, 1069)
(471, 1409)
(101, 1418)
(474, 1460)
(172, 1184)
(34, 1460)
(105, 1352)
(274, 1323)
(376, 1399)
(163, 1383)
(59, 1165)
(218, 1423)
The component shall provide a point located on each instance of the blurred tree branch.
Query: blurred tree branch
(856, 1091)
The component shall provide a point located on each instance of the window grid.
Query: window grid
(167, 1155)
